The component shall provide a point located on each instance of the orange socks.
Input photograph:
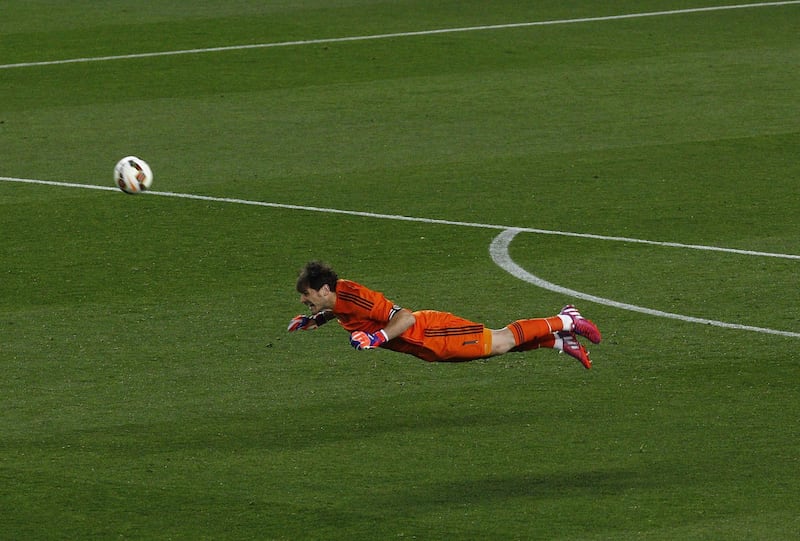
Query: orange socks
(535, 330)
(548, 341)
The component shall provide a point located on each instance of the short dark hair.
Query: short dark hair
(315, 275)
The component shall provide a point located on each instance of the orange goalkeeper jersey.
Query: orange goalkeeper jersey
(435, 336)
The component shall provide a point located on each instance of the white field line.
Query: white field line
(205, 50)
(498, 249)
(399, 217)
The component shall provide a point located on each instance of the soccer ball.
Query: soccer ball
(133, 175)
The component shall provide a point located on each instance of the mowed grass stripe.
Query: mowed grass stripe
(320, 41)
(498, 250)
(404, 218)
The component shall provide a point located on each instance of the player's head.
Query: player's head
(315, 275)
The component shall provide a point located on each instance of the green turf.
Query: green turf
(149, 388)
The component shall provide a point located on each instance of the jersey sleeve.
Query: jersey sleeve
(359, 308)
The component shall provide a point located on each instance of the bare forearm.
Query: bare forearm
(402, 320)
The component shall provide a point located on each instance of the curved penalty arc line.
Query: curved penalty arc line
(499, 252)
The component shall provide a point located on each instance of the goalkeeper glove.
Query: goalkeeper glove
(305, 323)
(300, 323)
(364, 340)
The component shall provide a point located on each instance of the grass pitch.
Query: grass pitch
(149, 388)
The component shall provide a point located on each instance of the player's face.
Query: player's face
(317, 299)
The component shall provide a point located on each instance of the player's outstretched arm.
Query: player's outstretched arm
(306, 323)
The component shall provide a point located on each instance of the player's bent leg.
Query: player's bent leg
(527, 330)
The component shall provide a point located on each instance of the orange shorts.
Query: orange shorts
(442, 336)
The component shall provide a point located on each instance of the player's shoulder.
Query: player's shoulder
(344, 282)
(355, 293)
(349, 286)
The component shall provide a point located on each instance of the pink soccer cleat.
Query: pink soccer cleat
(581, 325)
(573, 348)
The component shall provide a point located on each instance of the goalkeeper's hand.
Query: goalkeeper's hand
(364, 340)
(301, 323)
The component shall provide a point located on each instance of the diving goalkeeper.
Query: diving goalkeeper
(374, 321)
